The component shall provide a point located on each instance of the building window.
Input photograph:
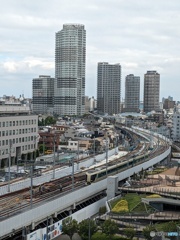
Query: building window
(3, 133)
(6, 132)
(7, 124)
(3, 124)
(6, 142)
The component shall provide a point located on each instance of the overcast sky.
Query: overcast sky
(141, 35)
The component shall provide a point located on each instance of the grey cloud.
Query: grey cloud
(141, 35)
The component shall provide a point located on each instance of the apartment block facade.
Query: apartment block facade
(70, 61)
(151, 91)
(42, 94)
(132, 93)
(108, 87)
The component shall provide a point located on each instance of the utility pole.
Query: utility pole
(9, 164)
(106, 156)
(94, 148)
(31, 191)
(43, 145)
(89, 229)
(54, 159)
(72, 174)
(78, 156)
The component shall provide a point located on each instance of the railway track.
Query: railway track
(19, 201)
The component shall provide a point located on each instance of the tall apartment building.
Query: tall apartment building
(108, 88)
(175, 131)
(70, 61)
(132, 93)
(151, 91)
(43, 94)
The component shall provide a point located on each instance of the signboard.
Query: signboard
(36, 235)
(47, 233)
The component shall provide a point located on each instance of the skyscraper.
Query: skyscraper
(70, 58)
(151, 91)
(132, 93)
(43, 94)
(108, 88)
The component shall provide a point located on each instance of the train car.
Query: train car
(95, 175)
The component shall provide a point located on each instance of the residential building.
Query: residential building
(90, 104)
(168, 104)
(132, 93)
(151, 91)
(43, 94)
(50, 139)
(70, 61)
(175, 131)
(108, 88)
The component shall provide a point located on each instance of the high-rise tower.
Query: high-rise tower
(108, 88)
(70, 61)
(43, 94)
(151, 91)
(132, 93)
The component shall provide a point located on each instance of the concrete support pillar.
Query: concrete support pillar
(112, 187)
(51, 221)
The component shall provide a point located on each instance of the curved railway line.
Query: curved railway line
(16, 202)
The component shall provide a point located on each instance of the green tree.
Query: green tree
(110, 228)
(42, 147)
(86, 227)
(50, 120)
(102, 210)
(29, 156)
(169, 227)
(129, 232)
(69, 226)
(147, 230)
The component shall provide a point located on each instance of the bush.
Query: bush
(154, 196)
(100, 236)
(102, 210)
(121, 206)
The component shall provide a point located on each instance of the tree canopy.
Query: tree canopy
(87, 227)
(69, 226)
(110, 228)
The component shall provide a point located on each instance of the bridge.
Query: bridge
(69, 201)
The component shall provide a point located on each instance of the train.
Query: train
(97, 174)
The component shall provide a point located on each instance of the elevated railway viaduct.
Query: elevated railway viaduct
(25, 215)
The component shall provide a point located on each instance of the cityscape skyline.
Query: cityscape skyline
(147, 40)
